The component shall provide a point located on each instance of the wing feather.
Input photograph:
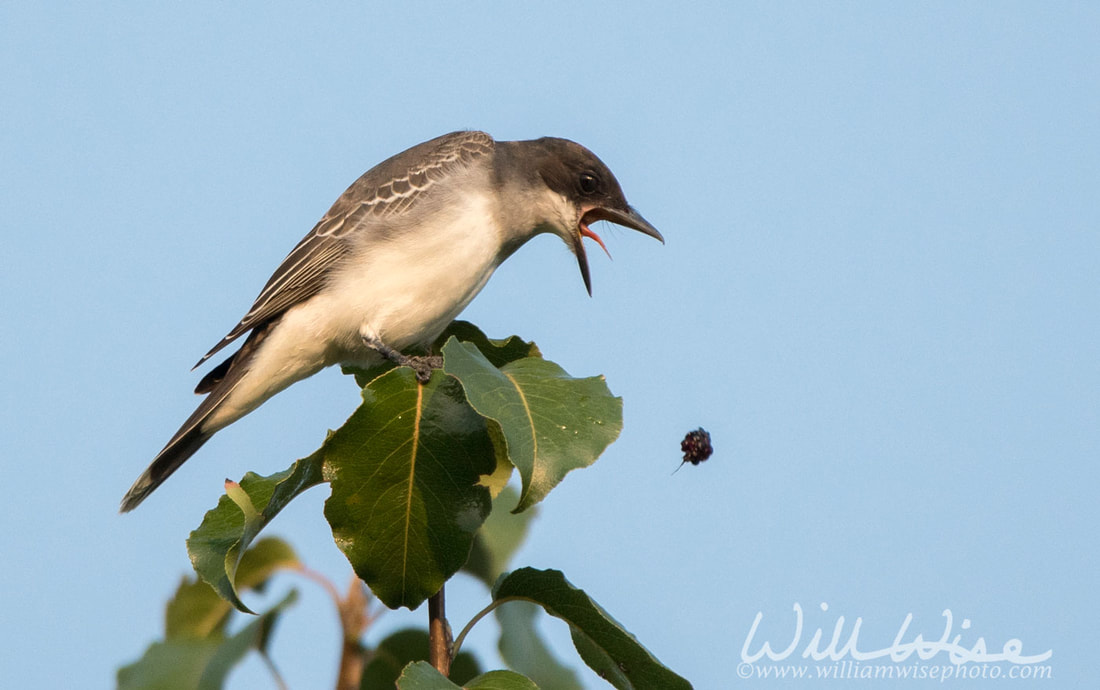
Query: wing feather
(387, 190)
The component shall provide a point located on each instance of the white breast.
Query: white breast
(406, 290)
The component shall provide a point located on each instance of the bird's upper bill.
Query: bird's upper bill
(628, 219)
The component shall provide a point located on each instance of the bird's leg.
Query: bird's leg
(421, 365)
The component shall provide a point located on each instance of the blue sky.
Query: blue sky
(879, 293)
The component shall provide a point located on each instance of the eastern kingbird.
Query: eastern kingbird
(393, 262)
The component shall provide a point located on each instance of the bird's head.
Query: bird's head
(581, 190)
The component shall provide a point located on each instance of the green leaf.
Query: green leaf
(497, 540)
(621, 659)
(201, 663)
(225, 533)
(255, 635)
(502, 473)
(421, 675)
(197, 610)
(400, 649)
(502, 680)
(523, 649)
(404, 469)
(599, 661)
(498, 352)
(171, 665)
(552, 423)
(365, 374)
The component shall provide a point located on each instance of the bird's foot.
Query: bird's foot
(422, 365)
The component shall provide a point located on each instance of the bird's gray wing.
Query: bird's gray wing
(386, 190)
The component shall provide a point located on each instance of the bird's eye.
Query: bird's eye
(588, 183)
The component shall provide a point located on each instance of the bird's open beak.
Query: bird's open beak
(628, 219)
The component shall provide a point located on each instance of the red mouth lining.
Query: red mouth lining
(587, 232)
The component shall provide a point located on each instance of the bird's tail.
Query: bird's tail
(181, 447)
(218, 384)
(197, 430)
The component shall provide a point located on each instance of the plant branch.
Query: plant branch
(478, 616)
(439, 633)
(354, 620)
(279, 682)
(325, 583)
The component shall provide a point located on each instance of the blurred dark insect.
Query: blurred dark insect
(696, 446)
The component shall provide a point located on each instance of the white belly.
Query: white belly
(409, 289)
(405, 290)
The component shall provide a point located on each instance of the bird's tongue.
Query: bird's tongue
(587, 232)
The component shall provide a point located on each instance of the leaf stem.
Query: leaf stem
(279, 682)
(477, 617)
(355, 617)
(354, 620)
(325, 583)
(439, 633)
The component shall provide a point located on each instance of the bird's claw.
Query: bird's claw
(423, 366)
